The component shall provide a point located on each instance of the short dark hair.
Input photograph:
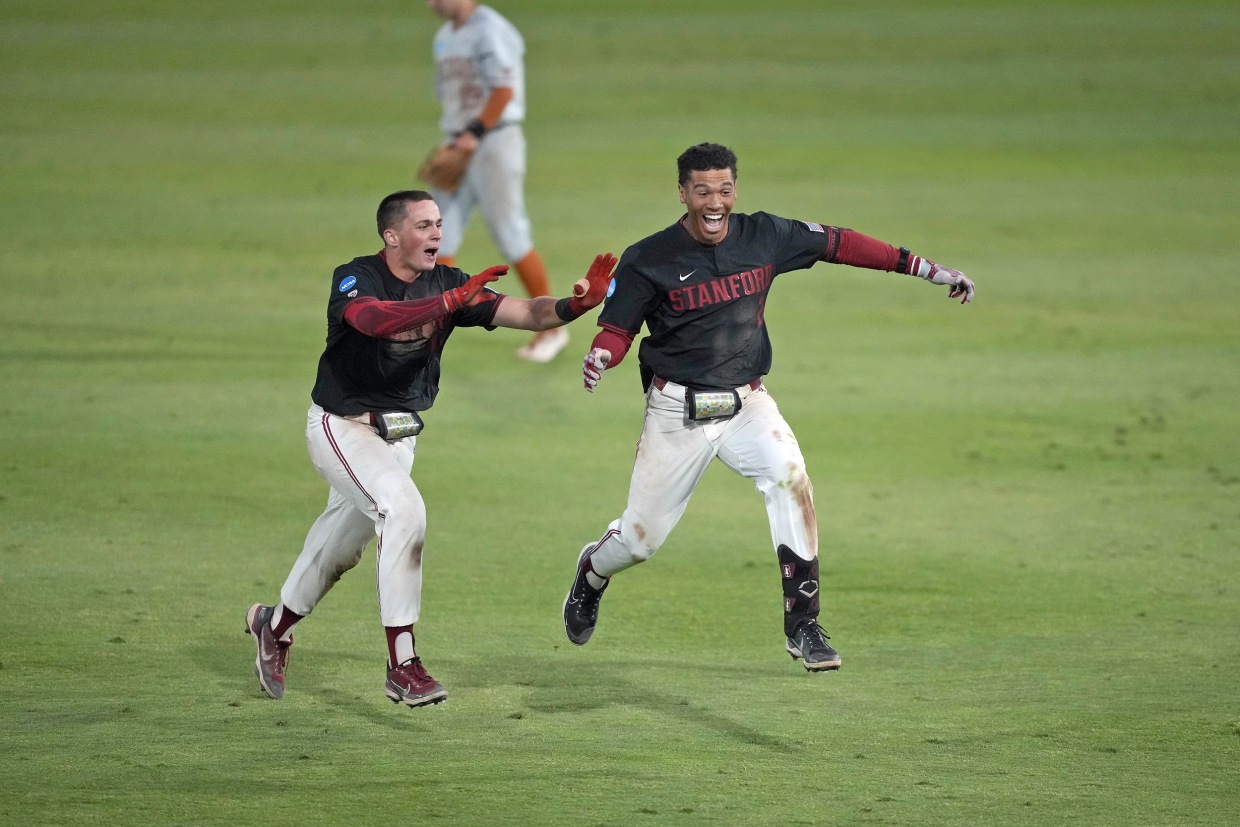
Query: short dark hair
(704, 157)
(392, 208)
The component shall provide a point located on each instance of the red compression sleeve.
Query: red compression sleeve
(380, 319)
(860, 250)
(616, 341)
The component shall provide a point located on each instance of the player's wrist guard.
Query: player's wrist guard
(912, 265)
(569, 308)
(476, 128)
(467, 294)
(923, 268)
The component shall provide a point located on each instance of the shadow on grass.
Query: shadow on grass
(543, 685)
(559, 686)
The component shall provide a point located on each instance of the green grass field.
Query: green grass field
(1029, 507)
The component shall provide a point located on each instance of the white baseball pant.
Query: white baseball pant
(673, 454)
(371, 495)
(494, 184)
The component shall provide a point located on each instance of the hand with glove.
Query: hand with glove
(445, 166)
(590, 291)
(467, 294)
(592, 367)
(960, 284)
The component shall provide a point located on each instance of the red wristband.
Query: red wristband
(615, 341)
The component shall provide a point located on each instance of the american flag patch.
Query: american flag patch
(815, 227)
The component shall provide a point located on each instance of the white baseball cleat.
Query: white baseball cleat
(545, 346)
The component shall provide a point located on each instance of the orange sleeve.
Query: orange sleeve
(494, 108)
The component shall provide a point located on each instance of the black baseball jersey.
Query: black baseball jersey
(359, 373)
(702, 305)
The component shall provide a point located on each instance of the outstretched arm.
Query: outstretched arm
(860, 250)
(381, 319)
(546, 312)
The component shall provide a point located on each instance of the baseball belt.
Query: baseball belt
(396, 425)
(702, 404)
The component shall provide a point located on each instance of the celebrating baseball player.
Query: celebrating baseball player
(700, 287)
(480, 84)
(389, 316)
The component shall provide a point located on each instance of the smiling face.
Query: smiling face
(412, 241)
(708, 196)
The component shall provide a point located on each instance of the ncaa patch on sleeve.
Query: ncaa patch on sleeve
(347, 283)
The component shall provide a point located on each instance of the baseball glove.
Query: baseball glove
(444, 167)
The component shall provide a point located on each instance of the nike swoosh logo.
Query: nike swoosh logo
(686, 275)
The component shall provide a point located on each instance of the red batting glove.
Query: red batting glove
(598, 277)
(592, 367)
(467, 294)
(961, 286)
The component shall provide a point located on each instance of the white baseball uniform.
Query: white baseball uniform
(704, 307)
(372, 493)
(484, 54)
(673, 455)
(702, 365)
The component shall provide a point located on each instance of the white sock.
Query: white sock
(404, 647)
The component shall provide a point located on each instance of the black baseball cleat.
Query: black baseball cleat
(809, 643)
(581, 604)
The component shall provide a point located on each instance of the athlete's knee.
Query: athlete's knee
(790, 481)
(513, 252)
(351, 559)
(799, 484)
(410, 530)
(404, 525)
(515, 242)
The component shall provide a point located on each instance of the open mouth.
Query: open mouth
(713, 222)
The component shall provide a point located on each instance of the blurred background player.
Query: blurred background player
(480, 83)
(700, 287)
(389, 316)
